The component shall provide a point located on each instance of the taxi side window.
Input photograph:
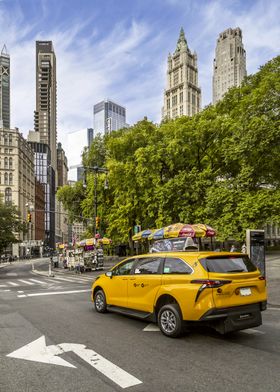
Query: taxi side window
(148, 265)
(124, 268)
(173, 265)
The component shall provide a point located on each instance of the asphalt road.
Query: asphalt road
(117, 351)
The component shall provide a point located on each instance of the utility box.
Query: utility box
(255, 243)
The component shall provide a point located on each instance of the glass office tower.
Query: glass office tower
(4, 89)
(108, 117)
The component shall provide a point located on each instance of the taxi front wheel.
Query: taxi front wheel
(170, 320)
(100, 302)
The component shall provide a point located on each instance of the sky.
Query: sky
(118, 49)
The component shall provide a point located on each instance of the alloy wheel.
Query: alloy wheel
(168, 321)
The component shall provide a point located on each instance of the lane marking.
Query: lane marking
(272, 308)
(251, 331)
(26, 282)
(11, 274)
(20, 291)
(13, 283)
(3, 291)
(54, 293)
(38, 281)
(151, 328)
(3, 285)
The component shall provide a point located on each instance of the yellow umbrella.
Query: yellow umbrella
(90, 241)
(142, 234)
(105, 241)
(172, 231)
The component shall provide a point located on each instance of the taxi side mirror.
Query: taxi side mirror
(109, 274)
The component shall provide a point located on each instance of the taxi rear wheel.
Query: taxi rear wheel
(170, 320)
(100, 303)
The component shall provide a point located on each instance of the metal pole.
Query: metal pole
(95, 201)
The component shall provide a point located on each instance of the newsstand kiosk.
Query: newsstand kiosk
(255, 243)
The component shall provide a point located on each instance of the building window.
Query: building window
(10, 139)
(10, 163)
(168, 103)
(181, 96)
(8, 196)
(176, 78)
(6, 163)
(6, 178)
(10, 179)
(6, 139)
(174, 100)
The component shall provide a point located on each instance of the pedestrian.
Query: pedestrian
(233, 248)
(244, 248)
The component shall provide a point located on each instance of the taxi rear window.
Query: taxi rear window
(228, 264)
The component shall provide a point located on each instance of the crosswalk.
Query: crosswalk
(87, 280)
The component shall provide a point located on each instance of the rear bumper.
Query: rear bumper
(226, 320)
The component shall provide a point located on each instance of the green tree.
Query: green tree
(11, 225)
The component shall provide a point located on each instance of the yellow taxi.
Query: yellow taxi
(175, 289)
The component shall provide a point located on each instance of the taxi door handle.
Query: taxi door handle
(124, 279)
(132, 278)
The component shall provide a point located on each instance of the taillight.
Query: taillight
(261, 278)
(208, 284)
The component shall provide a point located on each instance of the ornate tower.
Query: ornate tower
(182, 96)
(229, 68)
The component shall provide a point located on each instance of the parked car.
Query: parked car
(223, 290)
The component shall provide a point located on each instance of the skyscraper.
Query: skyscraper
(229, 62)
(45, 114)
(182, 95)
(89, 136)
(4, 89)
(108, 116)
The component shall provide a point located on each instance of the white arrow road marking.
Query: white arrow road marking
(38, 351)
(151, 328)
(110, 370)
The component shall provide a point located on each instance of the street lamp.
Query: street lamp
(96, 170)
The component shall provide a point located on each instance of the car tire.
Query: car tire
(170, 320)
(100, 303)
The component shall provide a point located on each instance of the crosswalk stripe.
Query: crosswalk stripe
(3, 285)
(64, 279)
(13, 283)
(38, 281)
(26, 282)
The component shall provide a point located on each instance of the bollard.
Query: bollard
(50, 268)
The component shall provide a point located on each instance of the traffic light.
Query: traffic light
(29, 217)
(97, 222)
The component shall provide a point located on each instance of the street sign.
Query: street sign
(136, 229)
(38, 351)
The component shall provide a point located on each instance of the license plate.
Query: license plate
(245, 291)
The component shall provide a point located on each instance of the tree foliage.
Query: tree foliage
(11, 225)
(219, 167)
